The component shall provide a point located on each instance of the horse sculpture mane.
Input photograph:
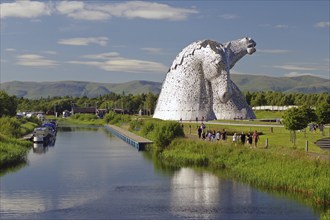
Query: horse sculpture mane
(198, 83)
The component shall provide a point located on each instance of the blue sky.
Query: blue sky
(120, 41)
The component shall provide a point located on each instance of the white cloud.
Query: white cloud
(153, 50)
(296, 67)
(295, 74)
(102, 41)
(80, 11)
(102, 56)
(35, 60)
(89, 10)
(144, 10)
(10, 49)
(24, 9)
(229, 16)
(133, 66)
(322, 24)
(281, 26)
(50, 52)
(114, 63)
(273, 51)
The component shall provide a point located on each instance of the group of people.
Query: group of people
(212, 135)
(249, 138)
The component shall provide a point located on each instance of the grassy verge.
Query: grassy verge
(12, 150)
(82, 119)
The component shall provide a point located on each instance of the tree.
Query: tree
(248, 97)
(151, 100)
(259, 100)
(295, 119)
(323, 113)
(8, 104)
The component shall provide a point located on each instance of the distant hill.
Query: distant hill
(301, 84)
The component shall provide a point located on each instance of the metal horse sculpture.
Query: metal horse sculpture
(198, 83)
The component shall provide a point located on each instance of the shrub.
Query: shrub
(165, 132)
(84, 117)
(161, 132)
(10, 126)
(114, 118)
(135, 125)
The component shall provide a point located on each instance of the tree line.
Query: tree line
(9, 105)
(284, 99)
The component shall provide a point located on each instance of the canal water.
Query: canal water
(91, 174)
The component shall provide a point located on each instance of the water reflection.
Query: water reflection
(39, 148)
(196, 189)
(202, 195)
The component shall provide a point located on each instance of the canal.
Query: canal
(91, 174)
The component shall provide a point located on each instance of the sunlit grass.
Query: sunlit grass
(12, 151)
(277, 136)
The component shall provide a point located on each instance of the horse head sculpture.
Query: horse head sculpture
(198, 81)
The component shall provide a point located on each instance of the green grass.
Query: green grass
(262, 114)
(277, 136)
(12, 151)
(82, 119)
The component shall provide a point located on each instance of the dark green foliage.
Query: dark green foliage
(10, 126)
(13, 127)
(161, 132)
(284, 99)
(323, 113)
(296, 118)
(165, 132)
(8, 104)
(84, 117)
(12, 151)
(135, 125)
(114, 118)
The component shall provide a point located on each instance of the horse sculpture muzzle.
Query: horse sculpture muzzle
(251, 46)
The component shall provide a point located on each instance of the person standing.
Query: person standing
(250, 139)
(224, 135)
(218, 135)
(199, 130)
(243, 138)
(255, 138)
(235, 139)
